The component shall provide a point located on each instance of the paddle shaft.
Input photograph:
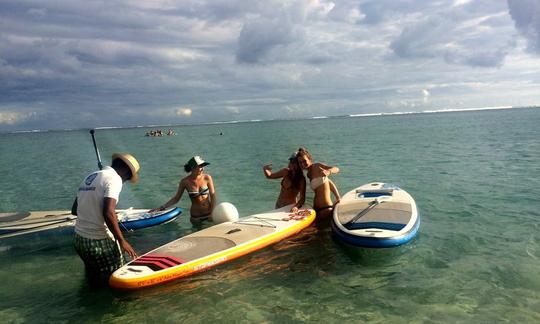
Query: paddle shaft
(100, 165)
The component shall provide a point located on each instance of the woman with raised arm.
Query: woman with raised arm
(293, 184)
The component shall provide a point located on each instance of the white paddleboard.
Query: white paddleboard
(21, 223)
(376, 215)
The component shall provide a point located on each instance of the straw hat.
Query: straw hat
(131, 162)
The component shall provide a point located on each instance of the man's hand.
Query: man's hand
(128, 249)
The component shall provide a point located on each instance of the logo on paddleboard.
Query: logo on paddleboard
(88, 181)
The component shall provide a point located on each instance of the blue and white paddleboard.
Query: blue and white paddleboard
(134, 219)
(376, 215)
(20, 223)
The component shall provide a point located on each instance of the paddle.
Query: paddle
(372, 204)
(100, 165)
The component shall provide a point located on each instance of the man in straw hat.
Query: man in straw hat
(98, 238)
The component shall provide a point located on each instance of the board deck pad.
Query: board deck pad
(191, 248)
(386, 212)
(210, 247)
(12, 217)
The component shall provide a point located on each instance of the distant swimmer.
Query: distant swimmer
(154, 133)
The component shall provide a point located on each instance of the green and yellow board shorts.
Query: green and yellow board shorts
(100, 257)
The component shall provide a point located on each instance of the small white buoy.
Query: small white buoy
(224, 212)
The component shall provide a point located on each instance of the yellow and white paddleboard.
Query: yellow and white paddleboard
(211, 246)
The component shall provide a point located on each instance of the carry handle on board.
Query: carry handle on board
(100, 165)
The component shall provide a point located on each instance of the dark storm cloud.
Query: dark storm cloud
(526, 16)
(259, 36)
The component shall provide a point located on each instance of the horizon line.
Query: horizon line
(377, 114)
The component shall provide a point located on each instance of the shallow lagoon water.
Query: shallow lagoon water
(474, 175)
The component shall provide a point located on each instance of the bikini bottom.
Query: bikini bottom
(317, 210)
(200, 219)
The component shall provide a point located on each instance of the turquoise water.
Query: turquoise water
(474, 175)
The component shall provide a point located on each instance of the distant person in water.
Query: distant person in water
(200, 188)
(98, 238)
(321, 185)
(158, 133)
(293, 184)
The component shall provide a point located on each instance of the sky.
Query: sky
(84, 64)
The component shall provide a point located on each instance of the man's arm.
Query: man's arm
(109, 214)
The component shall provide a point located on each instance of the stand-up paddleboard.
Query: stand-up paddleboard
(376, 215)
(211, 246)
(20, 223)
(133, 219)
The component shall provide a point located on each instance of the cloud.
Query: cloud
(382, 11)
(526, 16)
(271, 36)
(457, 38)
(480, 57)
(346, 12)
(184, 111)
(426, 94)
(232, 109)
(422, 39)
(460, 2)
(13, 117)
(260, 36)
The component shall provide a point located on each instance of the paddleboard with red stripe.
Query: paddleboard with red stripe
(210, 247)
